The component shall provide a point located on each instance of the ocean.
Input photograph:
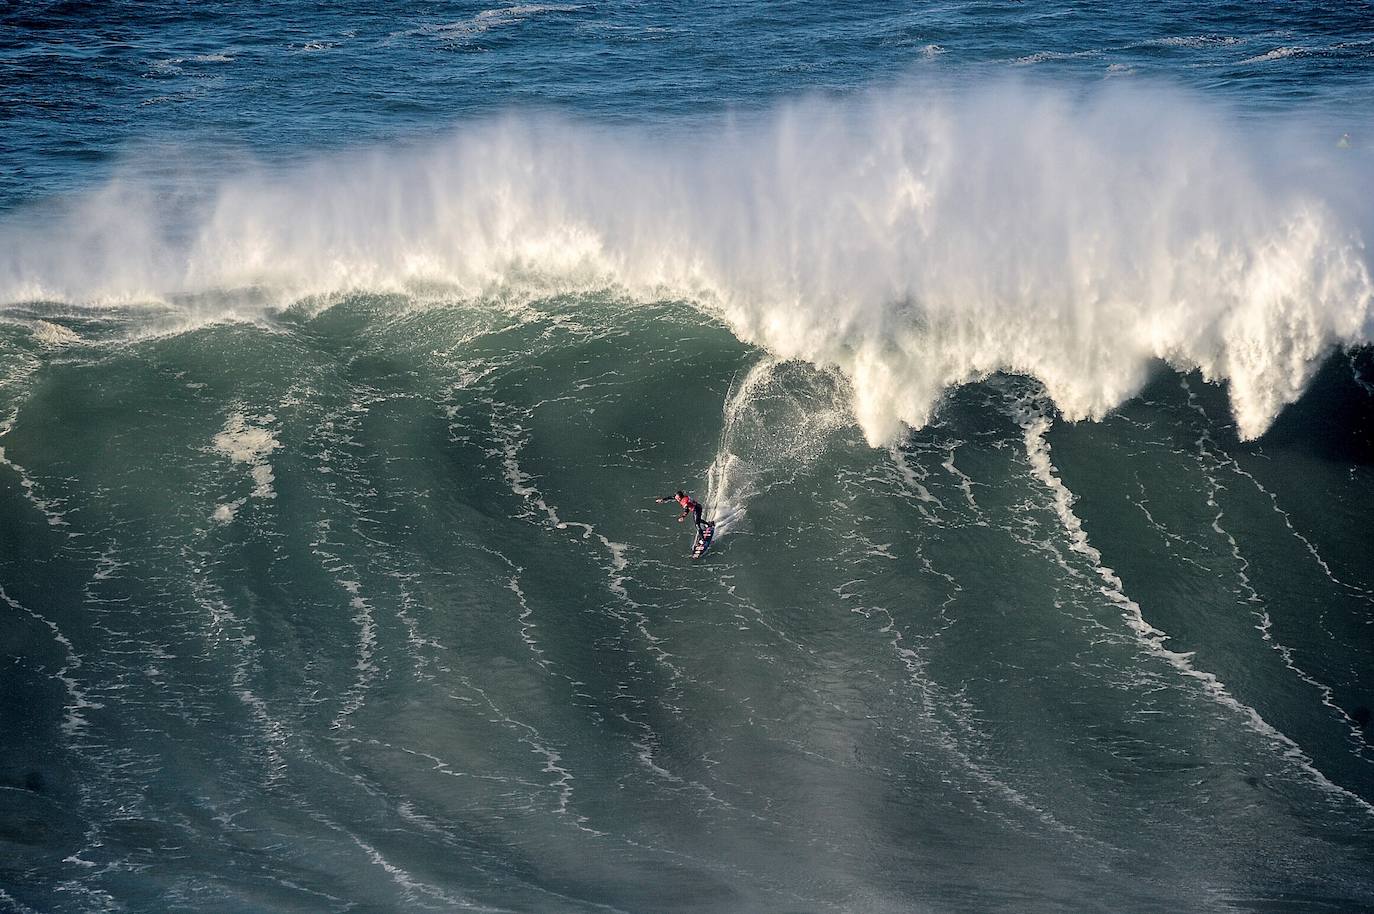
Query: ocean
(1021, 353)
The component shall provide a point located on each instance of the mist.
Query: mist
(915, 239)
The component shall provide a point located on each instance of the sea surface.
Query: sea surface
(1020, 351)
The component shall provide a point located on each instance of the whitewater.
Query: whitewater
(914, 243)
(1022, 358)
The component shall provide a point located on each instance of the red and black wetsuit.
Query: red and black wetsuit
(689, 506)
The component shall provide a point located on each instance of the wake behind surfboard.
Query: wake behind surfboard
(705, 535)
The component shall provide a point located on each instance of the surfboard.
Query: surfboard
(703, 541)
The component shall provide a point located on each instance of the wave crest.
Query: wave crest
(916, 239)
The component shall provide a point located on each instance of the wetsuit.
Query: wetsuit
(689, 507)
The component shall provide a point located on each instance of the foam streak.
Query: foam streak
(1035, 424)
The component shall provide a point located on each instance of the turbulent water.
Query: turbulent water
(1021, 353)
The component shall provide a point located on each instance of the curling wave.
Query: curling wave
(915, 239)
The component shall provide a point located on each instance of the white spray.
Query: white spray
(913, 239)
(777, 421)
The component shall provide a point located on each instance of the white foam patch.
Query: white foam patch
(1276, 54)
(466, 30)
(243, 441)
(263, 479)
(1188, 41)
(54, 335)
(1043, 56)
(224, 513)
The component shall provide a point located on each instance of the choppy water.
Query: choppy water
(1022, 353)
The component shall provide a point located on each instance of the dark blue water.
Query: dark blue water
(1021, 354)
(84, 82)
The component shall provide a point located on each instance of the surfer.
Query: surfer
(688, 507)
(706, 530)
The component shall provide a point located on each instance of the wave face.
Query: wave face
(343, 355)
(915, 240)
(372, 605)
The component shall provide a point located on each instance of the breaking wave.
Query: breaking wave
(915, 239)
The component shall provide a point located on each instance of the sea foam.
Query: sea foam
(914, 238)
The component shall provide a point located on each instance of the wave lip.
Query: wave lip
(916, 239)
